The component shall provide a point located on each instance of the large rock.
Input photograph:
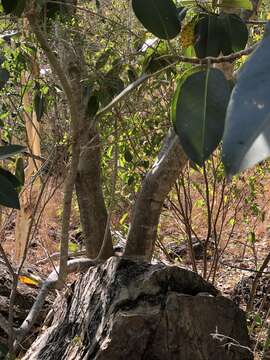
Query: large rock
(128, 310)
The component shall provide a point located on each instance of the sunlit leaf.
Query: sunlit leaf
(28, 281)
(247, 131)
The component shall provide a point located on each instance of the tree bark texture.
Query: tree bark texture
(129, 310)
(155, 188)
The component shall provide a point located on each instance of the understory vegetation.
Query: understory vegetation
(138, 129)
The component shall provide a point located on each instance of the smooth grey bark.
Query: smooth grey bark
(93, 213)
(156, 186)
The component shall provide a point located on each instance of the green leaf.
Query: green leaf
(237, 4)
(13, 6)
(9, 5)
(233, 33)
(8, 195)
(10, 177)
(247, 131)
(4, 76)
(10, 150)
(160, 17)
(73, 247)
(39, 104)
(19, 172)
(93, 105)
(251, 237)
(128, 156)
(207, 36)
(131, 180)
(198, 112)
(20, 8)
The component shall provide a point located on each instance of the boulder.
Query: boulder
(124, 309)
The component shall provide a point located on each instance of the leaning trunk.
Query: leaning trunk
(155, 188)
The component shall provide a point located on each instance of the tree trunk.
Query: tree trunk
(131, 310)
(93, 213)
(148, 206)
(29, 193)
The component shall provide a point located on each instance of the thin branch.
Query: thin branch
(7, 263)
(56, 255)
(33, 19)
(69, 186)
(256, 280)
(185, 59)
(76, 265)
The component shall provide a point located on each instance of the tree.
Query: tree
(200, 128)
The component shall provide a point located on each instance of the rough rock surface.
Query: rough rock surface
(24, 300)
(128, 310)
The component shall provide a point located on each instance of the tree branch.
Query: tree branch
(33, 19)
(175, 61)
(75, 265)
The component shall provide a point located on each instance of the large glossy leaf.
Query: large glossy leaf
(20, 8)
(247, 131)
(10, 177)
(233, 33)
(198, 112)
(13, 6)
(160, 17)
(9, 5)
(226, 33)
(19, 172)
(39, 105)
(207, 36)
(8, 195)
(10, 150)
